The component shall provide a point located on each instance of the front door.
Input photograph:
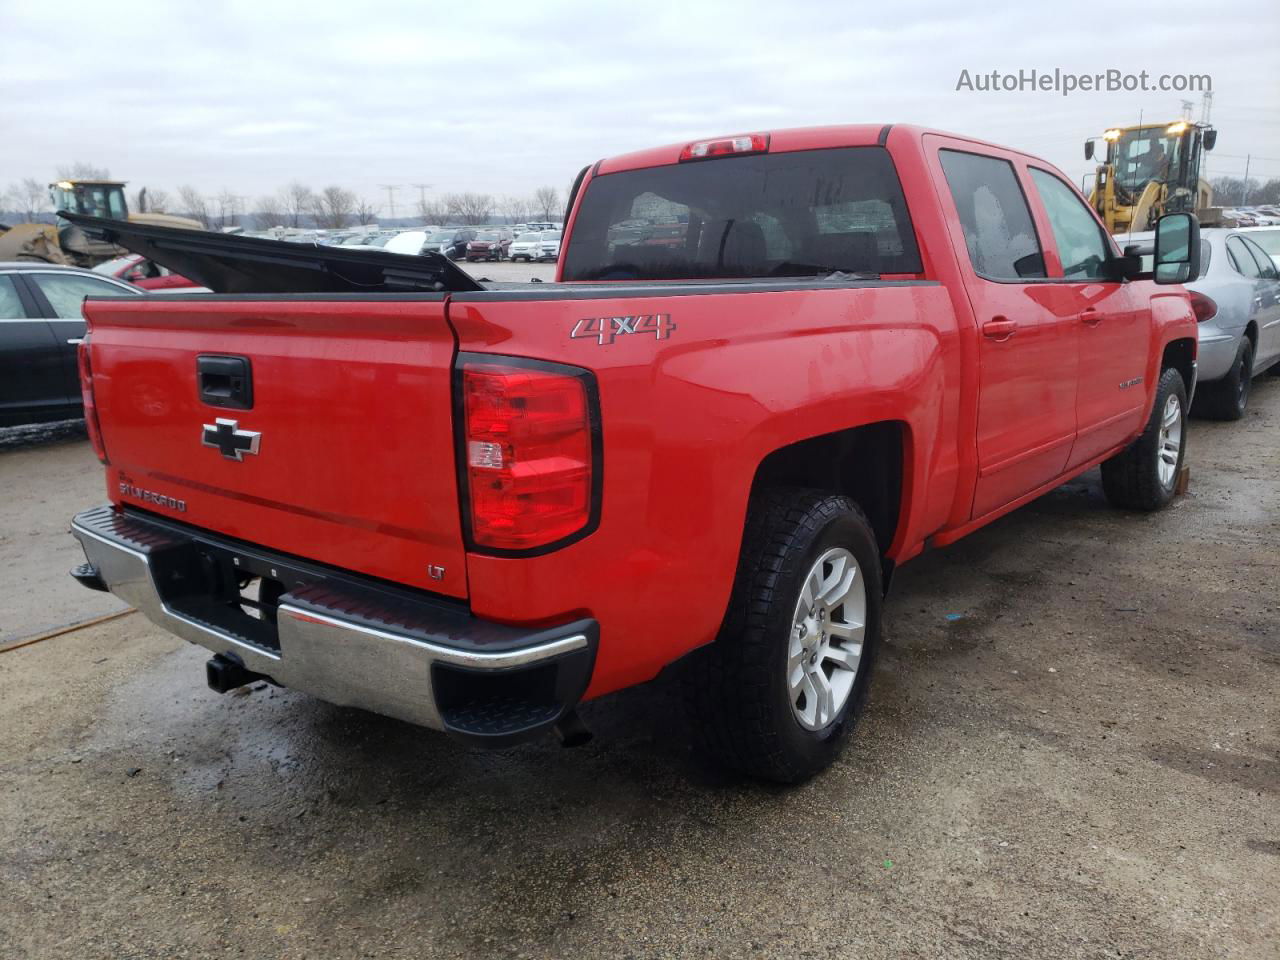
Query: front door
(1112, 318)
(32, 387)
(1026, 353)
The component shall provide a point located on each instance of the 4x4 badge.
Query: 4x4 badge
(605, 330)
(232, 442)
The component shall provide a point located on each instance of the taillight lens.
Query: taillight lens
(529, 449)
(727, 146)
(1203, 307)
(86, 397)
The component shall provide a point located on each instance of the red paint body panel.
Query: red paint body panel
(353, 398)
(355, 467)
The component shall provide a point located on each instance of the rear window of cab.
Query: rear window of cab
(795, 214)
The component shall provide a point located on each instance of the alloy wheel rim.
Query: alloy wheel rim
(826, 643)
(1170, 444)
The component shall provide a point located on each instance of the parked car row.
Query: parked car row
(1264, 216)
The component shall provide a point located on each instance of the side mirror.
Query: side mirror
(1126, 267)
(1177, 253)
(1210, 138)
(1088, 149)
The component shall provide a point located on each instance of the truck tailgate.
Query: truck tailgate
(354, 460)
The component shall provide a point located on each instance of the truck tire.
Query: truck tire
(778, 692)
(1228, 398)
(1144, 475)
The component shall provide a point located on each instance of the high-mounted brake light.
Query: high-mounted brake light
(530, 452)
(86, 397)
(1203, 307)
(725, 147)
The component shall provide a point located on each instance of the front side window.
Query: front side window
(1081, 246)
(998, 230)
(66, 292)
(806, 213)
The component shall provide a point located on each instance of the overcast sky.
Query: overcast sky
(504, 97)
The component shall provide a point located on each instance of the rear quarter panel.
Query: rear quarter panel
(687, 421)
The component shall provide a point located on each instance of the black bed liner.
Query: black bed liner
(228, 263)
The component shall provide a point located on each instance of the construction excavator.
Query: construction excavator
(1150, 170)
(67, 243)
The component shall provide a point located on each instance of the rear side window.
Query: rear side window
(66, 291)
(1266, 266)
(998, 230)
(10, 305)
(1241, 259)
(803, 213)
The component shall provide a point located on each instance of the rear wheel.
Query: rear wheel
(1228, 398)
(778, 692)
(1144, 475)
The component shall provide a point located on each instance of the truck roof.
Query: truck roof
(794, 138)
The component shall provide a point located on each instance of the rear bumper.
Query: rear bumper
(346, 639)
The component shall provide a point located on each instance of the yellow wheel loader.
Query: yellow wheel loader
(1148, 171)
(67, 243)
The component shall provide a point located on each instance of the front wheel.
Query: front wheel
(777, 693)
(1145, 474)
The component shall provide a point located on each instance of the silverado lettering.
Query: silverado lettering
(890, 337)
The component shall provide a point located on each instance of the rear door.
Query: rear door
(1112, 319)
(316, 426)
(1027, 352)
(31, 377)
(60, 295)
(1266, 298)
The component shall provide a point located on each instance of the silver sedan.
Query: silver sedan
(1237, 301)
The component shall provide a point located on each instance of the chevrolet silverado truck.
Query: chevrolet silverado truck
(774, 367)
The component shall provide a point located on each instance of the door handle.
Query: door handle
(1090, 316)
(76, 341)
(999, 329)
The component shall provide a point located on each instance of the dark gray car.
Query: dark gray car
(40, 325)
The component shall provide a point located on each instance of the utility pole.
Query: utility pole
(391, 197)
(1206, 106)
(1245, 197)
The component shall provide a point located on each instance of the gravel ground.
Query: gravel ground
(1072, 749)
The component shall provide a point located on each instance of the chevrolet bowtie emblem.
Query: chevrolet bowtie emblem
(232, 442)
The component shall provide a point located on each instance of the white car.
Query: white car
(527, 246)
(549, 246)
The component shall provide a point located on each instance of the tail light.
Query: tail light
(86, 396)
(1203, 307)
(727, 146)
(531, 449)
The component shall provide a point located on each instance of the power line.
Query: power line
(391, 197)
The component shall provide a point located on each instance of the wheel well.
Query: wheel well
(863, 463)
(1251, 331)
(1181, 355)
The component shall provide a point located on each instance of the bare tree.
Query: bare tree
(269, 212)
(513, 208)
(366, 212)
(194, 205)
(148, 200)
(230, 206)
(79, 170)
(334, 207)
(299, 201)
(29, 197)
(546, 201)
(432, 212)
(470, 208)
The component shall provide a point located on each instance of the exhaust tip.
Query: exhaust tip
(571, 730)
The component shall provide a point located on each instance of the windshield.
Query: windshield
(487, 237)
(440, 237)
(1146, 154)
(94, 199)
(802, 213)
(528, 237)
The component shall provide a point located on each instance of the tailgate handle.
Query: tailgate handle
(225, 382)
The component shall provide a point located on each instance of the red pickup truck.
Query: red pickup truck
(472, 506)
